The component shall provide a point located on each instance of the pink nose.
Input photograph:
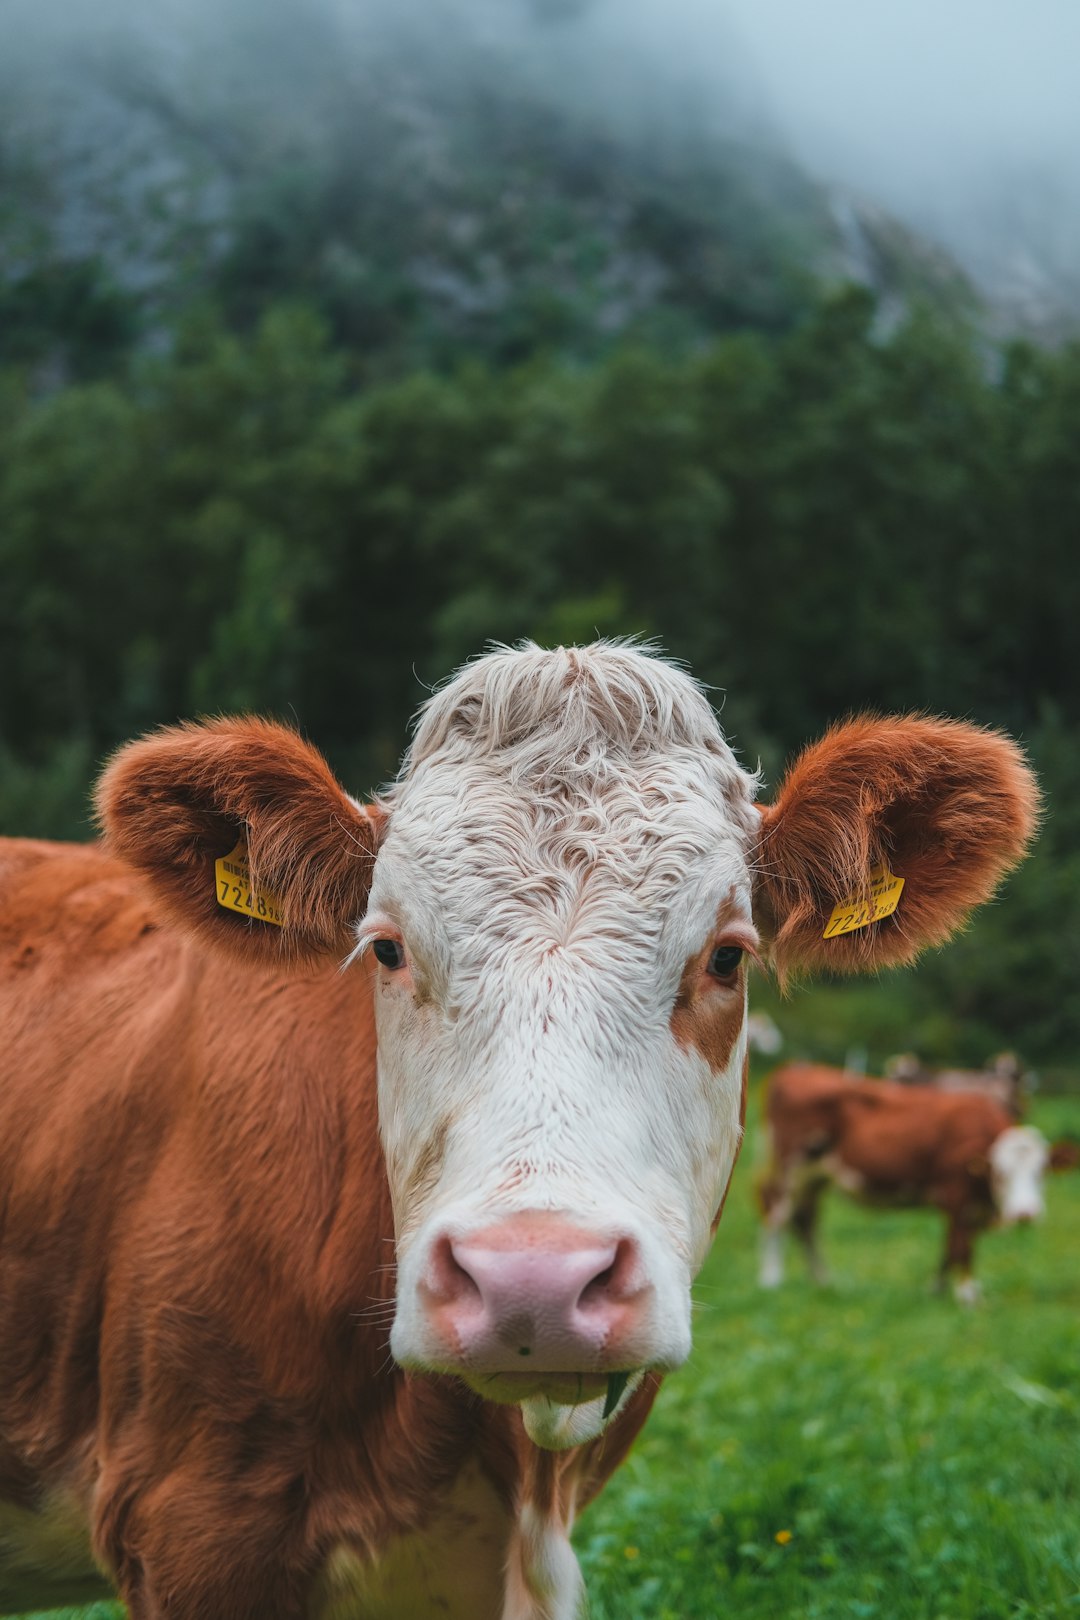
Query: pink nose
(535, 1294)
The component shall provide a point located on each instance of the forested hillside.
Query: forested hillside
(312, 382)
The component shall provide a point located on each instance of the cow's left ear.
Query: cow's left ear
(948, 807)
(1064, 1155)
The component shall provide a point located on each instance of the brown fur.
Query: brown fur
(195, 1234)
(946, 806)
(706, 1016)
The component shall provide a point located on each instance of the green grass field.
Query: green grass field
(863, 1450)
(867, 1449)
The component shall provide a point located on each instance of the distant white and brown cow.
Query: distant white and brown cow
(896, 1147)
(344, 1237)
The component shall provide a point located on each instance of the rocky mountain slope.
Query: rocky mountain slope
(436, 179)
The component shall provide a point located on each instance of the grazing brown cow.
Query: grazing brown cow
(899, 1147)
(335, 1291)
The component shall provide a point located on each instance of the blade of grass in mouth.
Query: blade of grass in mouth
(616, 1383)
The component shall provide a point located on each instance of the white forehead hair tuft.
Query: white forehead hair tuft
(570, 717)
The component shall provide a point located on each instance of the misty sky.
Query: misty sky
(908, 98)
(981, 73)
(962, 116)
(866, 90)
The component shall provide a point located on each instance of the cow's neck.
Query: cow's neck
(478, 1531)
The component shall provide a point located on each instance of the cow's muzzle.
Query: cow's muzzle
(536, 1301)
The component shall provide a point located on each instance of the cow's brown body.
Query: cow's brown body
(192, 1358)
(884, 1144)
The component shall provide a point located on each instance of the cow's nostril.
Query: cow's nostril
(448, 1281)
(617, 1281)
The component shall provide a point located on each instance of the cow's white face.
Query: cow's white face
(1018, 1161)
(561, 1049)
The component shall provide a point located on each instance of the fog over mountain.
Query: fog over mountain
(959, 119)
(961, 116)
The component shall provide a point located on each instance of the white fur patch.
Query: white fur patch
(771, 1265)
(543, 1578)
(452, 1569)
(1018, 1160)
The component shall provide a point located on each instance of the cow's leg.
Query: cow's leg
(775, 1204)
(790, 1197)
(804, 1224)
(771, 1266)
(967, 1290)
(957, 1261)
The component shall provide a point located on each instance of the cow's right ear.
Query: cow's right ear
(176, 802)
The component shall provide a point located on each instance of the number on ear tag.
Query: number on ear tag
(233, 888)
(859, 911)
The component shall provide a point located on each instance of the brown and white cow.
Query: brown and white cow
(897, 1147)
(340, 1260)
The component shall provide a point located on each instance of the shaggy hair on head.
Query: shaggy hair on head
(571, 716)
(564, 797)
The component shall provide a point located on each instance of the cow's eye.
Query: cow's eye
(725, 960)
(390, 952)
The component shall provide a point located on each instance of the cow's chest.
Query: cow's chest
(452, 1569)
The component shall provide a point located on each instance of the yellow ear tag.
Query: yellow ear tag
(234, 890)
(860, 911)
